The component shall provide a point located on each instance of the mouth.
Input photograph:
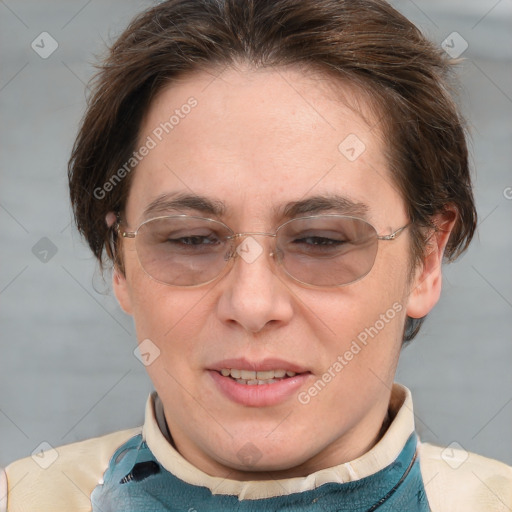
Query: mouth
(254, 378)
(261, 384)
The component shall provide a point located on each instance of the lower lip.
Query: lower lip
(259, 395)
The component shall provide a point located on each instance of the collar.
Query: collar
(384, 453)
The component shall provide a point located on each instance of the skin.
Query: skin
(256, 139)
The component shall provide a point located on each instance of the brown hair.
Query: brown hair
(364, 42)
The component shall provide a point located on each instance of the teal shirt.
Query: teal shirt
(136, 482)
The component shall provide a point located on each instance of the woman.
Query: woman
(276, 185)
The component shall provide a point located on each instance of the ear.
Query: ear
(426, 285)
(122, 291)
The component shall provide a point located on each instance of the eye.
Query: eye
(321, 238)
(192, 240)
(188, 242)
(319, 241)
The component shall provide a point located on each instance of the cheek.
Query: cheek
(166, 315)
(360, 357)
(172, 321)
(162, 313)
(376, 303)
(368, 333)
(366, 321)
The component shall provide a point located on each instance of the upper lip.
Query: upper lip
(258, 366)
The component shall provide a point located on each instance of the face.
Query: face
(253, 142)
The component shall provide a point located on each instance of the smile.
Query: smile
(262, 383)
(254, 378)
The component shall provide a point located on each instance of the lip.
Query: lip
(258, 366)
(264, 395)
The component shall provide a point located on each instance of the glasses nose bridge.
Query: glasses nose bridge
(238, 239)
(252, 233)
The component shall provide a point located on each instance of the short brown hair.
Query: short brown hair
(364, 42)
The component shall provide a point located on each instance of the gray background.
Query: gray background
(67, 369)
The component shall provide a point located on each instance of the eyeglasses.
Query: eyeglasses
(320, 250)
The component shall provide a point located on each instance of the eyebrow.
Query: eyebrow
(333, 203)
(167, 203)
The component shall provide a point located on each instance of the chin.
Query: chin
(256, 455)
(259, 469)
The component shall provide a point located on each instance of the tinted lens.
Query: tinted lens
(182, 251)
(321, 251)
(327, 250)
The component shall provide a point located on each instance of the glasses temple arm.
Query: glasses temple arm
(395, 234)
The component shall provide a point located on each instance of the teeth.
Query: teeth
(255, 382)
(267, 375)
(253, 378)
(247, 374)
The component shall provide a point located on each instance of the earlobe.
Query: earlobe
(121, 290)
(427, 283)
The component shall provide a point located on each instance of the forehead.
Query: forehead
(255, 140)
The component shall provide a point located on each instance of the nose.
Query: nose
(253, 293)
